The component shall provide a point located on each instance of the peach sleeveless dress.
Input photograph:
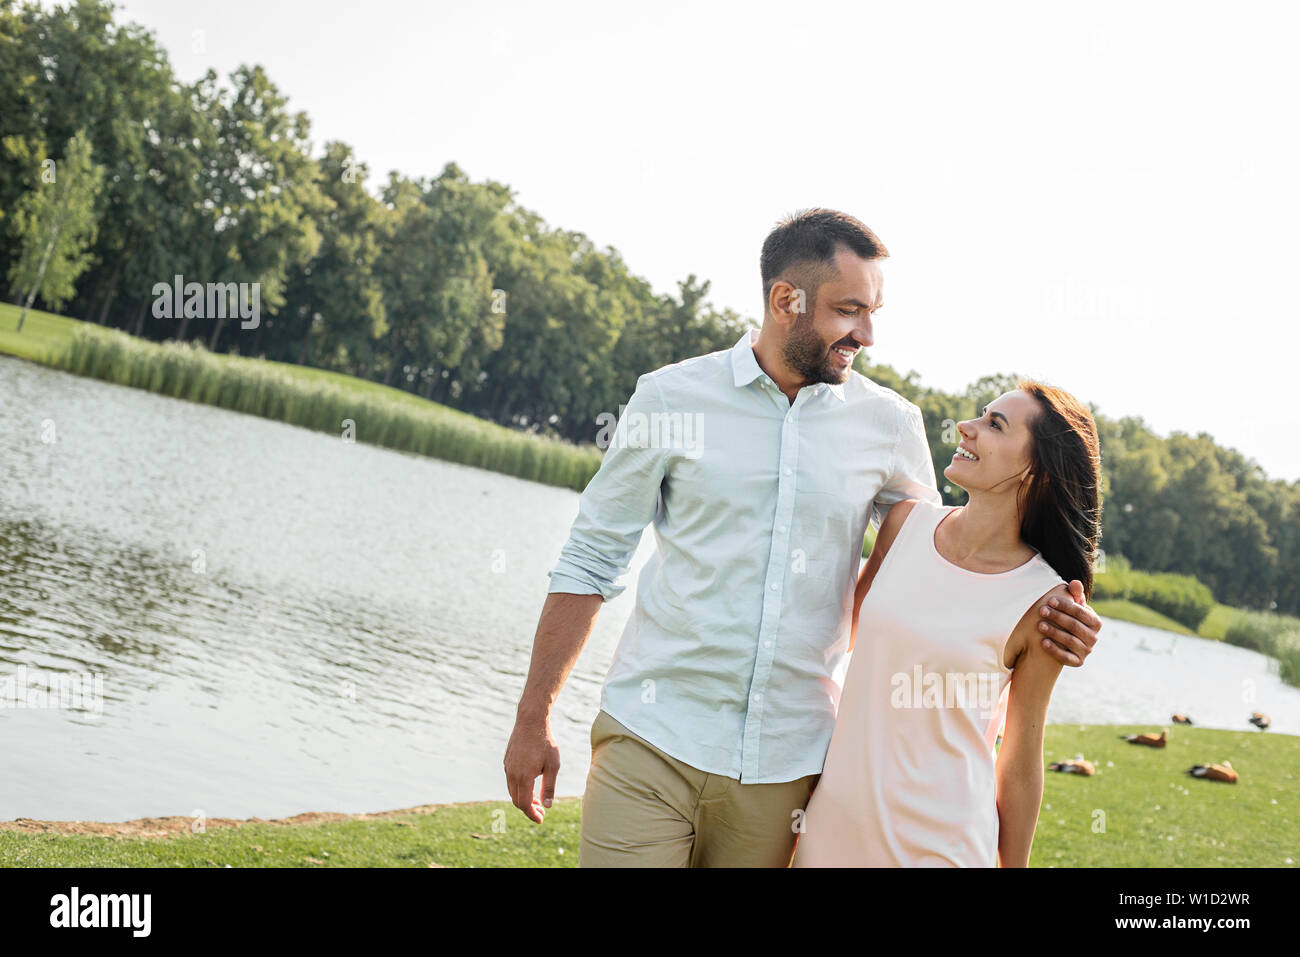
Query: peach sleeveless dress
(909, 774)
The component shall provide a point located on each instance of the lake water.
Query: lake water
(287, 622)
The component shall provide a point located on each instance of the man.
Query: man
(718, 708)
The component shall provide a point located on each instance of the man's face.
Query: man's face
(821, 347)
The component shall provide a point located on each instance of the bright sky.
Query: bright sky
(1104, 196)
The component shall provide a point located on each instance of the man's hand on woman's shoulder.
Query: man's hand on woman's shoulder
(1069, 627)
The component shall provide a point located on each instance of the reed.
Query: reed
(1271, 634)
(253, 386)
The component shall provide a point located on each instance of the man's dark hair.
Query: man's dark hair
(802, 247)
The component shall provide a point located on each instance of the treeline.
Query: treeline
(441, 286)
(448, 288)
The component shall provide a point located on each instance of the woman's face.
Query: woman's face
(997, 445)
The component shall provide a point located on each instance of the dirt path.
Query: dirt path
(172, 826)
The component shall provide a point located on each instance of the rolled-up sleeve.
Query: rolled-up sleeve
(618, 503)
(911, 468)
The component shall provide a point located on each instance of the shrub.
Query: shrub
(1181, 597)
(1113, 583)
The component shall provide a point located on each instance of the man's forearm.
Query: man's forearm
(565, 625)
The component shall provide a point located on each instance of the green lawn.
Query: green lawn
(1139, 810)
(1218, 621)
(43, 335)
(490, 834)
(1155, 815)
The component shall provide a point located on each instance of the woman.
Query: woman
(951, 650)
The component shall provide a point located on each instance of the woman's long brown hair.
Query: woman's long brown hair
(1060, 504)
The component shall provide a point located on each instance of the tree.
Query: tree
(22, 146)
(263, 191)
(56, 223)
(334, 305)
(987, 388)
(109, 79)
(437, 289)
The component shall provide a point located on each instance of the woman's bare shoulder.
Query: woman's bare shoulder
(1026, 633)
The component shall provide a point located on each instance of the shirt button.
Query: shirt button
(780, 528)
(767, 644)
(775, 587)
(786, 470)
(758, 697)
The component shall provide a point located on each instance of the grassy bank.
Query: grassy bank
(1139, 810)
(312, 398)
(1125, 610)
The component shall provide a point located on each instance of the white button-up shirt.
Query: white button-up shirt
(731, 660)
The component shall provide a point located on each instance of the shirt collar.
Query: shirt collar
(745, 368)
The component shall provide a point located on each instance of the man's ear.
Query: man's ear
(785, 302)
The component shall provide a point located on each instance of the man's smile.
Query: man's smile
(845, 353)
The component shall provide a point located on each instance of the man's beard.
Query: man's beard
(808, 356)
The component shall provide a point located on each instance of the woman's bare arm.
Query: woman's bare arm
(1020, 758)
(884, 538)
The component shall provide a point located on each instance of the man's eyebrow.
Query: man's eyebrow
(862, 305)
(999, 415)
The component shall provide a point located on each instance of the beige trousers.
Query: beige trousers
(643, 808)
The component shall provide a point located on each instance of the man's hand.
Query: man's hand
(1069, 628)
(532, 751)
